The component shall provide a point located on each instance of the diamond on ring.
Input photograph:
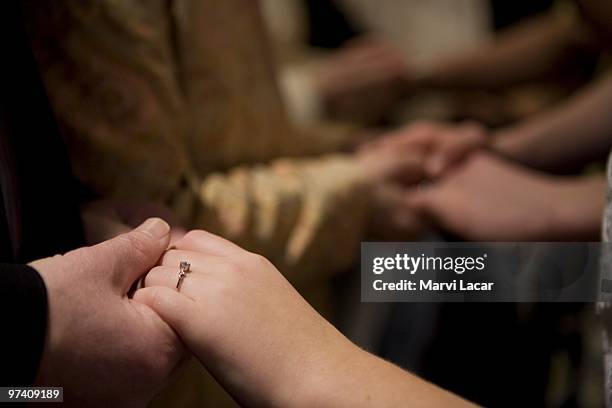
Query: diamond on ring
(183, 269)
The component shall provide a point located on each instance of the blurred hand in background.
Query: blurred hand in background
(406, 157)
(439, 146)
(490, 199)
(362, 80)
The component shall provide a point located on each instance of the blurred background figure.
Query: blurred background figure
(544, 181)
(393, 61)
(332, 51)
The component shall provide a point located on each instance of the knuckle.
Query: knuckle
(218, 291)
(260, 261)
(235, 267)
(248, 263)
(194, 236)
(223, 290)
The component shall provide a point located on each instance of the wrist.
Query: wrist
(579, 215)
(561, 221)
(324, 374)
(506, 144)
(46, 374)
(523, 144)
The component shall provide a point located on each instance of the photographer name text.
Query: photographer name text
(432, 286)
(421, 263)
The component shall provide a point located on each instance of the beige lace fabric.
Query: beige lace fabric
(176, 102)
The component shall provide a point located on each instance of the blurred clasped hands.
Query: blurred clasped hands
(453, 177)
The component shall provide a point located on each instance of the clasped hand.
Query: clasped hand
(244, 321)
(234, 311)
(473, 192)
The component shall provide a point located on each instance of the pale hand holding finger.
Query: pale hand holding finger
(103, 348)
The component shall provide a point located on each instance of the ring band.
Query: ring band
(183, 269)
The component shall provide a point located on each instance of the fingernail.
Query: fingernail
(156, 227)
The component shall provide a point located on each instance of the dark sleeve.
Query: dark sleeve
(43, 202)
(50, 218)
(23, 315)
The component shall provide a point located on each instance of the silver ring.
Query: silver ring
(183, 269)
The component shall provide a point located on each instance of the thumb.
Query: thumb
(132, 254)
(174, 308)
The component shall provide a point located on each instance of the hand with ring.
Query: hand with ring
(231, 306)
(261, 340)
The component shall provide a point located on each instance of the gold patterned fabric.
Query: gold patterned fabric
(176, 102)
